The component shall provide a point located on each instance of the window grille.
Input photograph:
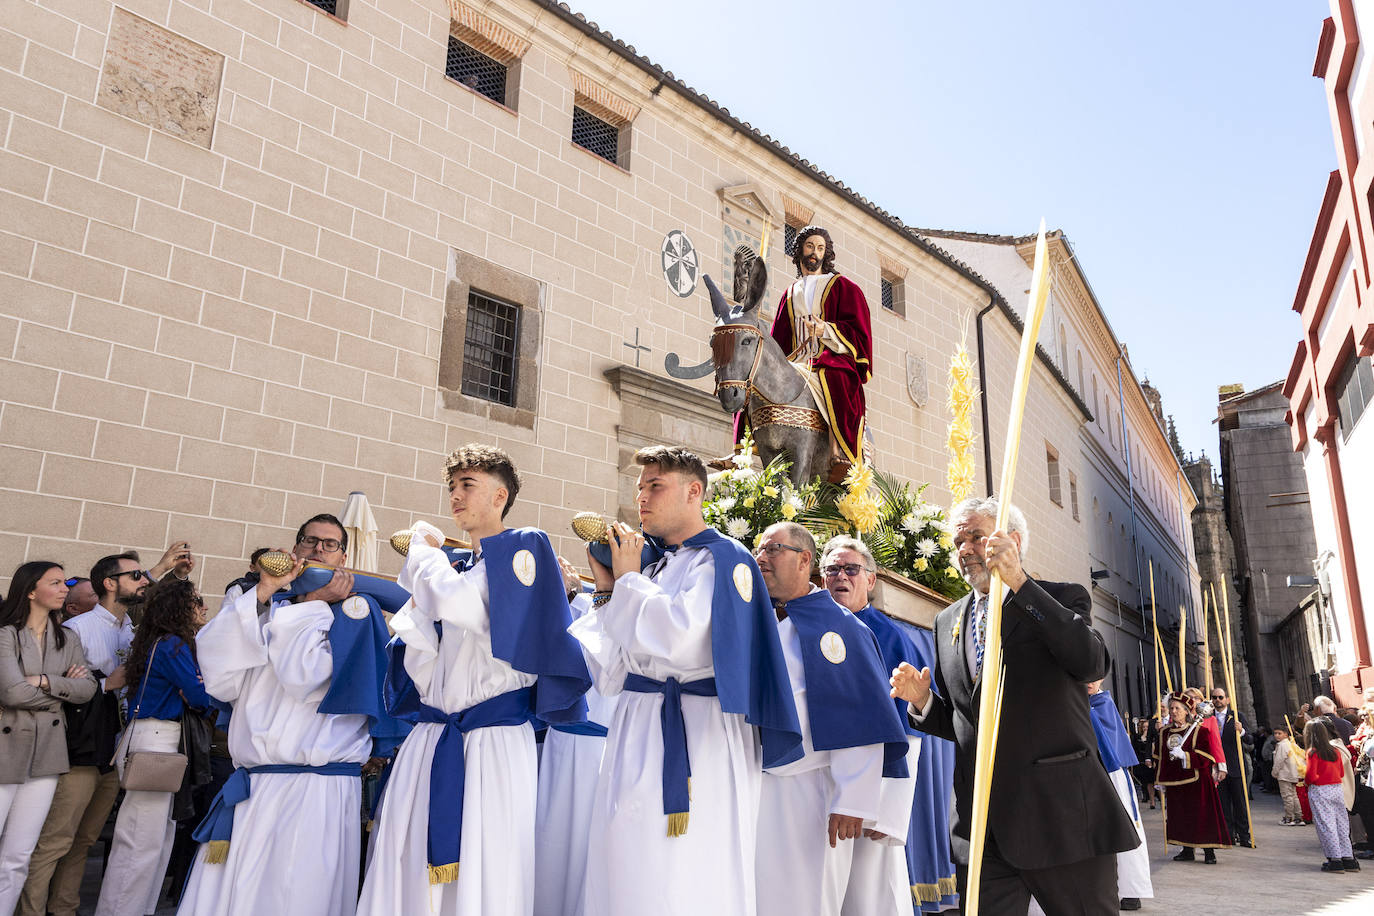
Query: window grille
(889, 302)
(789, 239)
(595, 135)
(329, 6)
(490, 342)
(476, 70)
(1355, 382)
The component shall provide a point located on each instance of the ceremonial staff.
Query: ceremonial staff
(990, 703)
(1231, 691)
(1182, 649)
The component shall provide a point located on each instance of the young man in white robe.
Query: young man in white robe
(294, 845)
(815, 811)
(879, 881)
(481, 653)
(688, 643)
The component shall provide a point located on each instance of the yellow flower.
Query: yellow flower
(859, 478)
(770, 491)
(946, 542)
(951, 572)
(749, 502)
(921, 564)
(789, 512)
(758, 539)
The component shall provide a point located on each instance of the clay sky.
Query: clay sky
(1183, 147)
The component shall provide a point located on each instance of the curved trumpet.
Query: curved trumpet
(591, 527)
(400, 542)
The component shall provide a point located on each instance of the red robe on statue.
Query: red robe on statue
(842, 367)
(1192, 807)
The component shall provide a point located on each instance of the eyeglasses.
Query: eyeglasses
(851, 570)
(772, 549)
(135, 574)
(328, 545)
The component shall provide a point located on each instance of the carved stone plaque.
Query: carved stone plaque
(160, 79)
(917, 380)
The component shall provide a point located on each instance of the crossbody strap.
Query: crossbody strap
(143, 688)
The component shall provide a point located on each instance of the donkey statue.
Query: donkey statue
(753, 374)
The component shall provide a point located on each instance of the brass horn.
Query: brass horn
(277, 563)
(400, 542)
(591, 527)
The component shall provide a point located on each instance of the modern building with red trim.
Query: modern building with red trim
(1330, 385)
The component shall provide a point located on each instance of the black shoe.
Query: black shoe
(1209, 857)
(1185, 856)
(1333, 865)
(1364, 853)
(1350, 864)
(1130, 903)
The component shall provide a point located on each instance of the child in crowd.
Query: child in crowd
(1285, 770)
(1326, 763)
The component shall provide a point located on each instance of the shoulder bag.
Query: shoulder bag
(147, 771)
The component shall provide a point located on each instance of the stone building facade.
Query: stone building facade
(1269, 515)
(1331, 381)
(259, 255)
(1115, 483)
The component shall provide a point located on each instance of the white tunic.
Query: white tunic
(878, 879)
(496, 873)
(568, 770)
(275, 672)
(798, 872)
(661, 628)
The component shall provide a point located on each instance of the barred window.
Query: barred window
(887, 295)
(596, 136)
(489, 349)
(789, 239)
(476, 70)
(892, 293)
(332, 7)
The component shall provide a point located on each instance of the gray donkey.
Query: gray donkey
(752, 373)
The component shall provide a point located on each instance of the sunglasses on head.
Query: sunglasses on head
(72, 581)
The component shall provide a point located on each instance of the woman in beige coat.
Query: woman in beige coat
(41, 665)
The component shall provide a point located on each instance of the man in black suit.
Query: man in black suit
(1235, 786)
(1054, 821)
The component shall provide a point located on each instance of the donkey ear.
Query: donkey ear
(758, 284)
(718, 303)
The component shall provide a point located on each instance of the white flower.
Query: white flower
(737, 528)
(742, 460)
(927, 511)
(795, 501)
(726, 504)
(898, 540)
(913, 524)
(926, 547)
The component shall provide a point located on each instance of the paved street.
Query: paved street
(1281, 876)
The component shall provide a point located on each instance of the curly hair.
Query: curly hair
(484, 458)
(170, 610)
(827, 262)
(674, 458)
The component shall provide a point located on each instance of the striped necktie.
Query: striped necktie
(980, 634)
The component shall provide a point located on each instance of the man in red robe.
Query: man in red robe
(823, 321)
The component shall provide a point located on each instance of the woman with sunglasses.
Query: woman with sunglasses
(41, 665)
(164, 678)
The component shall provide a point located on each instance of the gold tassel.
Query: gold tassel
(677, 823)
(218, 853)
(443, 874)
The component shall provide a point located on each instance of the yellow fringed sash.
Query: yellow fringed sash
(217, 852)
(443, 874)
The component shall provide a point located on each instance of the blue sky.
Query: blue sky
(1184, 147)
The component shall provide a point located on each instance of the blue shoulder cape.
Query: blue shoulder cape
(357, 642)
(1113, 742)
(751, 675)
(895, 648)
(529, 630)
(846, 684)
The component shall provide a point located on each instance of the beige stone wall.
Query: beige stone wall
(216, 342)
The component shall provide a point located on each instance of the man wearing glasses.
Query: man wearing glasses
(86, 793)
(322, 539)
(880, 873)
(814, 812)
(1234, 788)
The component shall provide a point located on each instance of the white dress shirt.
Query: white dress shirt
(104, 637)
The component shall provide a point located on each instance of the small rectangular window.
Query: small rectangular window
(335, 8)
(887, 294)
(1052, 461)
(596, 136)
(479, 72)
(1073, 495)
(892, 293)
(489, 349)
(789, 239)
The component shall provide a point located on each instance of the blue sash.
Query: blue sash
(218, 827)
(447, 769)
(1113, 743)
(677, 765)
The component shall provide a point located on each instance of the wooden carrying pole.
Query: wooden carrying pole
(1231, 692)
(990, 703)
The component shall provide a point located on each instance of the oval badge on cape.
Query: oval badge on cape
(522, 564)
(832, 647)
(744, 582)
(355, 606)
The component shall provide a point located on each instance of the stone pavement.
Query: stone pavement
(1281, 876)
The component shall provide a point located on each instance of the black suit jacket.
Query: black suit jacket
(1228, 743)
(1052, 801)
